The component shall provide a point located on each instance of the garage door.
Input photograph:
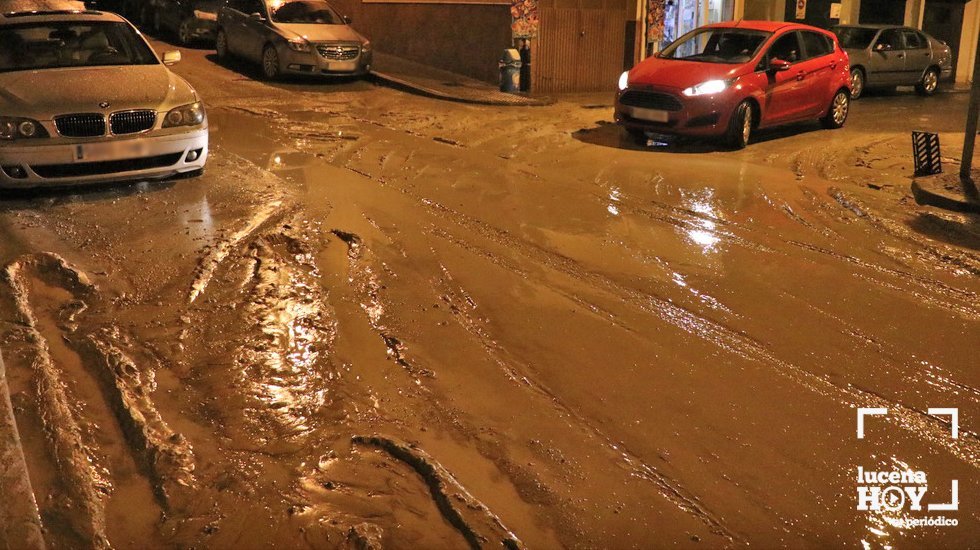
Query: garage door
(579, 50)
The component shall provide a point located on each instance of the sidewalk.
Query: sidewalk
(430, 81)
(948, 192)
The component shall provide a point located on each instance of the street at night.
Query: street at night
(380, 319)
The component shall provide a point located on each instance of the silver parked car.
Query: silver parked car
(885, 56)
(292, 37)
(84, 98)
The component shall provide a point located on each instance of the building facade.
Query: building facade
(583, 45)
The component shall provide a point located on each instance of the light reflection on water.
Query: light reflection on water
(704, 233)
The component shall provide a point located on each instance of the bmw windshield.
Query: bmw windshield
(60, 44)
(717, 45)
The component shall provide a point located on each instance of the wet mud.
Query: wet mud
(384, 321)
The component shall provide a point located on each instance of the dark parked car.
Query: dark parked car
(188, 20)
(885, 56)
(730, 78)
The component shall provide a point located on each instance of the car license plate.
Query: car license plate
(113, 150)
(342, 66)
(652, 115)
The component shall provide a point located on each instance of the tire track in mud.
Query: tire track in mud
(284, 369)
(932, 287)
(920, 424)
(366, 283)
(670, 488)
(468, 515)
(125, 388)
(942, 254)
(216, 254)
(86, 514)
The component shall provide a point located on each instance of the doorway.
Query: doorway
(683, 16)
(944, 20)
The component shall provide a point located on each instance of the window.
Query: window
(248, 7)
(786, 48)
(889, 40)
(58, 44)
(913, 40)
(816, 44)
(855, 38)
(306, 12)
(717, 45)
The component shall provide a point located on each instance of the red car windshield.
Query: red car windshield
(714, 45)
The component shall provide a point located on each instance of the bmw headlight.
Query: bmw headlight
(707, 88)
(20, 128)
(185, 115)
(298, 45)
(624, 80)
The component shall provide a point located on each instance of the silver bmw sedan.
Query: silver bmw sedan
(83, 98)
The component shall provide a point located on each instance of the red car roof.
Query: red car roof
(767, 26)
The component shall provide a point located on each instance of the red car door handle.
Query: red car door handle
(833, 64)
(801, 75)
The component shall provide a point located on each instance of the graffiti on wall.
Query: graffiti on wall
(655, 19)
(524, 18)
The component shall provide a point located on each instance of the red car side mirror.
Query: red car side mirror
(779, 65)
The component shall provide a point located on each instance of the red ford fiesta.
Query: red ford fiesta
(729, 79)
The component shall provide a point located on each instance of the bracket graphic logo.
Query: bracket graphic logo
(894, 490)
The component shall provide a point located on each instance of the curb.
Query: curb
(413, 87)
(940, 200)
(20, 521)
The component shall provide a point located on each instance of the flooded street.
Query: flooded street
(385, 320)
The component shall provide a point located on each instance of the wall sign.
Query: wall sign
(801, 9)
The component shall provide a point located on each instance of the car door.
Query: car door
(887, 66)
(918, 55)
(230, 18)
(785, 91)
(254, 29)
(818, 67)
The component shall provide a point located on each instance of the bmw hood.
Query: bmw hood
(680, 74)
(44, 94)
(322, 33)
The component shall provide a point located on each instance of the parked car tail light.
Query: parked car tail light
(707, 88)
(299, 45)
(624, 80)
(185, 115)
(21, 128)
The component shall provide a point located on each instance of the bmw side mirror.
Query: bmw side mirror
(171, 57)
(779, 65)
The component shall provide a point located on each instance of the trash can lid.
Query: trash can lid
(510, 55)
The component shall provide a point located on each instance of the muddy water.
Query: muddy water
(381, 319)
